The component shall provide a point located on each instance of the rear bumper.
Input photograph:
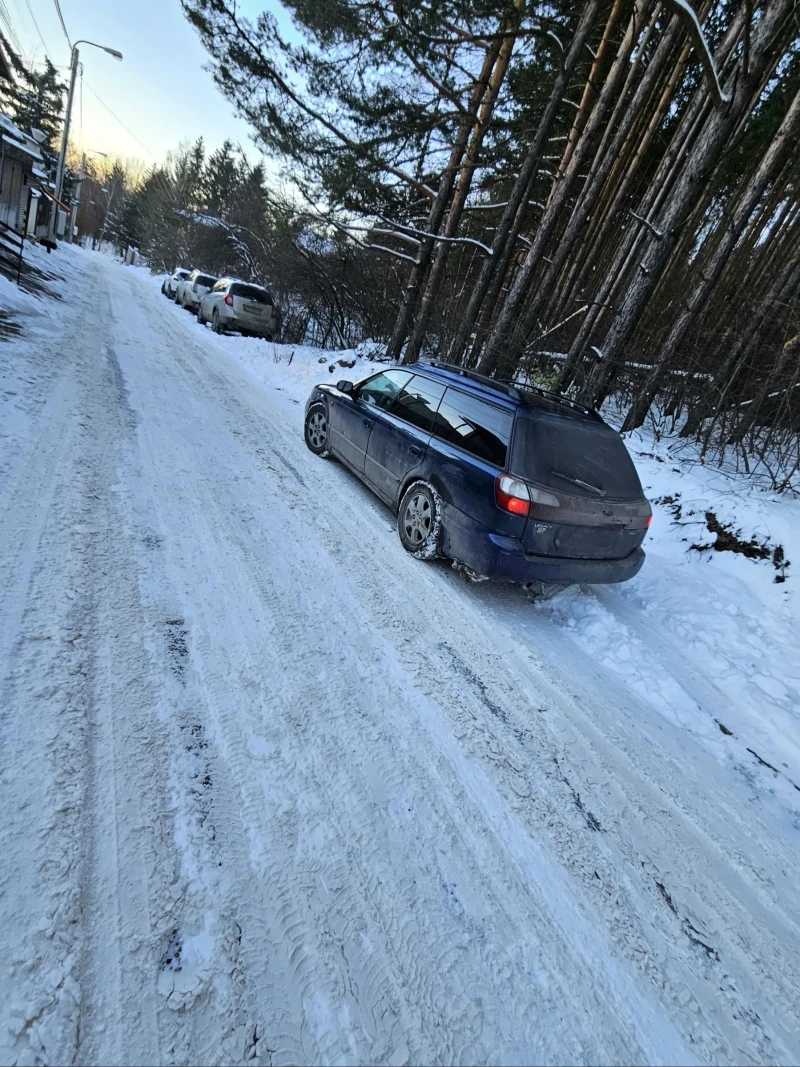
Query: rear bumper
(246, 326)
(503, 558)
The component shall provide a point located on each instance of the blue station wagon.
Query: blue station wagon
(507, 482)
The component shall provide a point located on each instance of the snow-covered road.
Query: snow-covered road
(275, 792)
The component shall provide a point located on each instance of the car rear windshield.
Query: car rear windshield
(205, 279)
(579, 458)
(181, 274)
(251, 292)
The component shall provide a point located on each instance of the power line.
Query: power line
(4, 15)
(61, 20)
(36, 24)
(119, 120)
(21, 18)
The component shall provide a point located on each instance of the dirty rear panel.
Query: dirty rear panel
(582, 464)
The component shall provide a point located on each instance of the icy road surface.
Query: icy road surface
(274, 792)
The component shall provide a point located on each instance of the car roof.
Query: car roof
(506, 394)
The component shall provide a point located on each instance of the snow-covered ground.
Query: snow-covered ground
(275, 792)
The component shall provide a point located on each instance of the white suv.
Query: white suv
(170, 283)
(192, 289)
(240, 306)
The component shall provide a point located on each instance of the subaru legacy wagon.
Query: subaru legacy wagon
(506, 482)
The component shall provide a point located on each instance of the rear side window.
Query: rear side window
(577, 458)
(205, 279)
(418, 402)
(381, 390)
(479, 428)
(251, 292)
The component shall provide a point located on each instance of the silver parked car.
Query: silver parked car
(239, 306)
(170, 283)
(192, 289)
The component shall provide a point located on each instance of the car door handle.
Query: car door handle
(367, 422)
(414, 451)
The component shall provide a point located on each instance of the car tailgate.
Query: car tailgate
(251, 309)
(583, 529)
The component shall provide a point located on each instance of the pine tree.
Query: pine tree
(35, 101)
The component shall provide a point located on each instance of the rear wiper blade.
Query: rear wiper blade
(578, 481)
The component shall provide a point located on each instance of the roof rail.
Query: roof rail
(509, 388)
(559, 398)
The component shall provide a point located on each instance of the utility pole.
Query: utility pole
(62, 155)
(76, 201)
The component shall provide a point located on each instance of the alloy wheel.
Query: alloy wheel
(417, 518)
(318, 429)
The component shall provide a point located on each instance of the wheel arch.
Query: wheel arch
(427, 477)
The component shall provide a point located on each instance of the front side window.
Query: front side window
(418, 402)
(478, 427)
(381, 390)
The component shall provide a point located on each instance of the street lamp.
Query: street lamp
(62, 156)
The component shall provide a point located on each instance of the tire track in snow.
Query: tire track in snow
(738, 1012)
(229, 508)
(50, 726)
(516, 753)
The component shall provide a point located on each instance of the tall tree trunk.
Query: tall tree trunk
(689, 185)
(494, 267)
(439, 206)
(656, 195)
(498, 345)
(442, 252)
(748, 417)
(712, 270)
(614, 200)
(589, 194)
(784, 284)
(599, 66)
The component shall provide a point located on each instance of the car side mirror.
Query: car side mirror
(344, 387)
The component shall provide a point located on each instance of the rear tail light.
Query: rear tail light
(649, 520)
(517, 497)
(512, 495)
(229, 300)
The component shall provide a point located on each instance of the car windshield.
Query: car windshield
(251, 292)
(577, 457)
(206, 280)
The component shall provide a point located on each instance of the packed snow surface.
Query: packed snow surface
(275, 792)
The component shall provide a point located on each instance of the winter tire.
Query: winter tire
(419, 521)
(200, 318)
(316, 430)
(216, 324)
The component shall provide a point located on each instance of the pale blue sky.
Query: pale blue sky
(159, 91)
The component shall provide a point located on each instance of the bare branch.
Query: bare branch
(692, 23)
